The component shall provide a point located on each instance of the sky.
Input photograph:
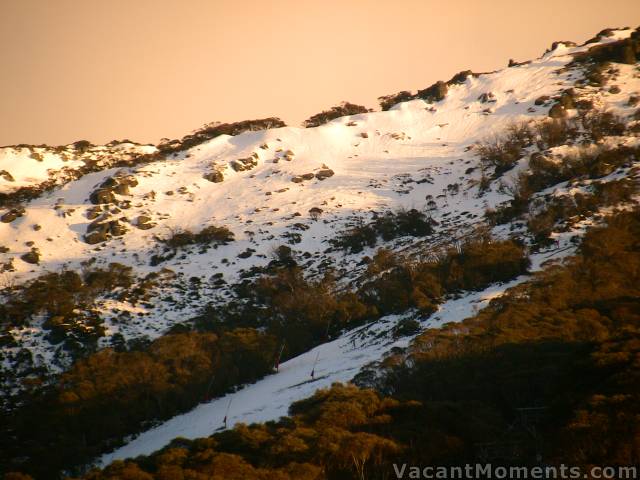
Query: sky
(147, 69)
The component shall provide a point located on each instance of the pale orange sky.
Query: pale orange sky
(145, 69)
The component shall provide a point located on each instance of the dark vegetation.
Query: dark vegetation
(387, 226)
(119, 391)
(561, 212)
(211, 236)
(215, 130)
(503, 152)
(434, 93)
(66, 301)
(620, 51)
(583, 167)
(24, 194)
(342, 110)
(112, 393)
(548, 371)
(564, 344)
(303, 313)
(589, 161)
(596, 61)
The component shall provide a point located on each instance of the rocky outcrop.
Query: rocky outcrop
(12, 214)
(214, 176)
(242, 164)
(102, 230)
(112, 186)
(324, 174)
(32, 256)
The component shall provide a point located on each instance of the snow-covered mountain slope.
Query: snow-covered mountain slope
(294, 186)
(40, 168)
(336, 361)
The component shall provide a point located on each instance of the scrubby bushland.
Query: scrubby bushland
(619, 51)
(111, 394)
(590, 163)
(24, 194)
(178, 239)
(396, 284)
(549, 369)
(594, 162)
(388, 101)
(119, 392)
(215, 130)
(578, 205)
(599, 125)
(503, 152)
(389, 225)
(207, 236)
(328, 436)
(434, 93)
(300, 311)
(66, 300)
(596, 61)
(342, 110)
(305, 313)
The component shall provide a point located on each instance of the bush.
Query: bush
(389, 101)
(210, 235)
(503, 153)
(118, 393)
(603, 124)
(342, 110)
(215, 130)
(389, 225)
(620, 51)
(554, 132)
(434, 93)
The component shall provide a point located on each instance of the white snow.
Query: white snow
(400, 158)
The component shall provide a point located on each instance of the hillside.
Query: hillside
(327, 247)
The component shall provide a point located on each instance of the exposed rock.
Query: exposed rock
(101, 196)
(324, 173)
(243, 164)
(434, 93)
(96, 237)
(542, 100)
(32, 256)
(144, 223)
(7, 176)
(215, 176)
(557, 111)
(93, 212)
(488, 97)
(118, 184)
(303, 177)
(12, 214)
(101, 231)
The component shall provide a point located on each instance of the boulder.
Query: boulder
(557, 111)
(144, 223)
(101, 196)
(324, 174)
(214, 176)
(11, 215)
(32, 256)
